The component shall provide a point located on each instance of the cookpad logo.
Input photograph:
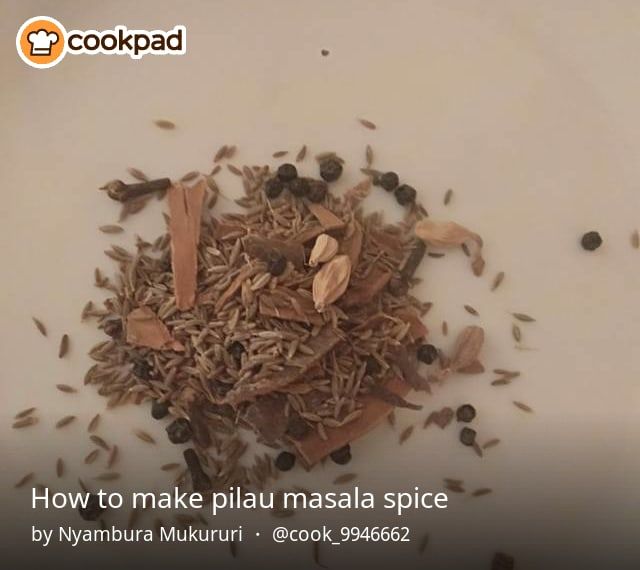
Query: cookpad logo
(42, 42)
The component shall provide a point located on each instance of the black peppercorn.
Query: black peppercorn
(330, 169)
(287, 172)
(159, 409)
(299, 187)
(389, 181)
(273, 188)
(113, 328)
(276, 266)
(591, 241)
(405, 195)
(285, 461)
(92, 510)
(236, 350)
(372, 366)
(179, 431)
(467, 436)
(465, 413)
(427, 353)
(502, 561)
(317, 191)
(142, 369)
(342, 456)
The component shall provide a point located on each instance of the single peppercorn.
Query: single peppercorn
(159, 409)
(372, 366)
(405, 194)
(342, 456)
(287, 172)
(502, 561)
(427, 353)
(389, 181)
(276, 266)
(179, 431)
(92, 510)
(467, 436)
(113, 328)
(299, 187)
(142, 369)
(591, 241)
(273, 188)
(285, 461)
(236, 350)
(330, 169)
(317, 191)
(465, 413)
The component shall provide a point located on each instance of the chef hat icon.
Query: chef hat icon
(41, 41)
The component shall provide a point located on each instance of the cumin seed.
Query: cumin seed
(24, 480)
(107, 476)
(523, 407)
(405, 435)
(91, 456)
(144, 436)
(113, 456)
(497, 280)
(40, 326)
(635, 239)
(164, 124)
(99, 442)
(234, 170)
(447, 197)
(66, 388)
(523, 317)
(59, 467)
(280, 153)
(170, 466)
(471, 310)
(25, 422)
(24, 413)
(345, 478)
(482, 491)
(445, 328)
(93, 424)
(368, 155)
(491, 443)
(516, 332)
(137, 174)
(64, 346)
(423, 543)
(191, 175)
(368, 124)
(111, 229)
(64, 421)
(220, 154)
(301, 153)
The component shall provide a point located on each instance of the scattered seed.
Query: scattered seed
(40, 325)
(423, 543)
(99, 442)
(523, 407)
(220, 154)
(523, 317)
(111, 229)
(447, 197)
(491, 443)
(137, 174)
(635, 239)
(91, 456)
(93, 424)
(64, 346)
(66, 388)
(24, 480)
(369, 155)
(191, 175)
(24, 413)
(471, 310)
(231, 150)
(164, 124)
(170, 466)
(301, 153)
(482, 491)
(445, 328)
(107, 476)
(516, 333)
(144, 436)
(316, 554)
(501, 382)
(280, 153)
(234, 170)
(368, 124)
(113, 456)
(65, 421)
(497, 280)
(233, 548)
(59, 467)
(405, 434)
(25, 422)
(344, 478)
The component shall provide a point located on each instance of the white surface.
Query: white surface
(528, 110)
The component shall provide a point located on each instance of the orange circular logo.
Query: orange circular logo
(41, 42)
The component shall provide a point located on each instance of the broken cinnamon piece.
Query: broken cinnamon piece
(388, 242)
(271, 306)
(295, 369)
(365, 290)
(328, 220)
(185, 208)
(313, 448)
(144, 328)
(351, 244)
(264, 248)
(267, 417)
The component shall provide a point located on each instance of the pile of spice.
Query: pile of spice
(293, 319)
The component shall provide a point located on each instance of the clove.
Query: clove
(199, 479)
(122, 192)
(413, 260)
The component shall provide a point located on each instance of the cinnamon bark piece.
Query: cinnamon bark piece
(185, 209)
(267, 417)
(313, 448)
(144, 328)
(328, 220)
(263, 248)
(296, 369)
(365, 290)
(272, 306)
